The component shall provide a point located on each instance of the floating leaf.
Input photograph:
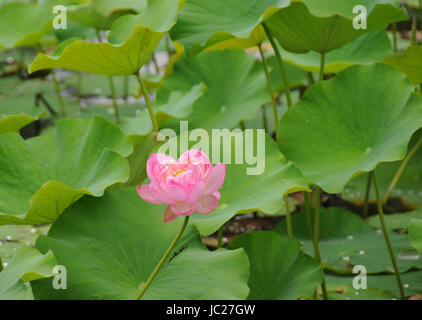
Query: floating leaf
(379, 287)
(415, 234)
(220, 24)
(347, 240)
(396, 220)
(44, 175)
(27, 265)
(409, 62)
(326, 26)
(126, 244)
(369, 48)
(349, 124)
(279, 268)
(235, 82)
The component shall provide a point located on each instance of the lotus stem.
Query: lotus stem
(288, 217)
(163, 259)
(220, 237)
(78, 86)
(401, 169)
(322, 67)
(58, 93)
(113, 96)
(264, 118)
(413, 41)
(280, 63)
(270, 88)
(387, 239)
(394, 28)
(125, 87)
(316, 240)
(367, 193)
(308, 213)
(148, 103)
(242, 125)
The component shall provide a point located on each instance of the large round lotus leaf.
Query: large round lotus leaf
(323, 26)
(257, 174)
(415, 234)
(379, 287)
(27, 265)
(100, 14)
(408, 187)
(280, 270)
(409, 62)
(396, 221)
(114, 259)
(130, 46)
(235, 82)
(369, 48)
(44, 175)
(347, 240)
(23, 24)
(222, 24)
(349, 124)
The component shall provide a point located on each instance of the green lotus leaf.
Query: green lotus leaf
(395, 220)
(15, 122)
(26, 23)
(280, 270)
(326, 26)
(408, 62)
(100, 14)
(415, 234)
(220, 24)
(159, 15)
(369, 48)
(235, 82)
(379, 287)
(44, 175)
(349, 124)
(131, 44)
(14, 33)
(249, 185)
(347, 240)
(408, 187)
(118, 261)
(27, 265)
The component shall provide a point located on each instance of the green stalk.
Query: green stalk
(270, 88)
(125, 87)
(264, 118)
(413, 41)
(387, 239)
(220, 237)
(280, 63)
(401, 169)
(242, 125)
(394, 28)
(288, 217)
(322, 67)
(113, 96)
(78, 86)
(148, 103)
(163, 259)
(367, 193)
(420, 11)
(110, 81)
(58, 93)
(316, 241)
(308, 214)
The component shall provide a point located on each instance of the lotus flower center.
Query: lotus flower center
(178, 172)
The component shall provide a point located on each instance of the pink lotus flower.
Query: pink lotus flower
(188, 185)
